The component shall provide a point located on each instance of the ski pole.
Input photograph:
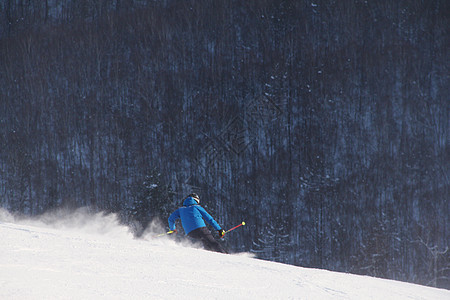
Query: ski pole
(166, 233)
(243, 223)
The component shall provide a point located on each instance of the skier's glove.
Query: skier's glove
(221, 233)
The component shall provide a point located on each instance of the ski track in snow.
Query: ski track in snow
(41, 262)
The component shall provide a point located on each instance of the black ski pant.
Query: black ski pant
(205, 236)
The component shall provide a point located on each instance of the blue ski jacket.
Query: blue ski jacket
(192, 215)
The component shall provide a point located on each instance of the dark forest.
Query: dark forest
(324, 125)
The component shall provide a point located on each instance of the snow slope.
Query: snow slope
(93, 257)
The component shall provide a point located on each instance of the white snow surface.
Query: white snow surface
(92, 256)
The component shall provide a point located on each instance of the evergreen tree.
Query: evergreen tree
(153, 201)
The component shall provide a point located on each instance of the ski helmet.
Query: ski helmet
(195, 196)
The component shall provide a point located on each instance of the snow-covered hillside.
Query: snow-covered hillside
(92, 257)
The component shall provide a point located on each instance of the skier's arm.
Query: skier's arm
(174, 216)
(208, 218)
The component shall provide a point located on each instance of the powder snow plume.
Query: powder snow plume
(80, 220)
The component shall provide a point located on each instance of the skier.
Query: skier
(192, 215)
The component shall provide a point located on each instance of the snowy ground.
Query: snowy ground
(92, 257)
